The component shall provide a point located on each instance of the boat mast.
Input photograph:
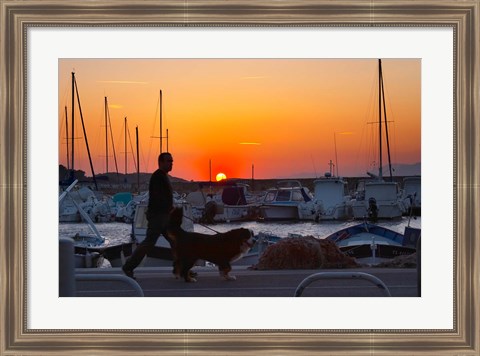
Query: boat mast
(386, 125)
(138, 162)
(380, 174)
(161, 129)
(106, 137)
(74, 84)
(73, 126)
(125, 147)
(66, 131)
(166, 137)
(111, 139)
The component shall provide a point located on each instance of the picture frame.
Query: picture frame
(17, 16)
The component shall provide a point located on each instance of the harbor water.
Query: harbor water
(116, 233)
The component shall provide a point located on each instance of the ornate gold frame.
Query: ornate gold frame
(16, 16)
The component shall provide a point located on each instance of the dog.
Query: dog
(221, 249)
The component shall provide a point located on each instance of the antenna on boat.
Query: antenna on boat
(336, 157)
(332, 167)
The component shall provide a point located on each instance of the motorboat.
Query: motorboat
(229, 204)
(289, 200)
(373, 244)
(379, 200)
(331, 198)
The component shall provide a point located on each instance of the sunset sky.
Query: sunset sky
(283, 116)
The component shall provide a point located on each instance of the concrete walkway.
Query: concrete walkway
(159, 282)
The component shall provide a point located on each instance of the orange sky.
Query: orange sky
(281, 115)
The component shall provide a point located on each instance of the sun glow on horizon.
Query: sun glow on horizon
(235, 113)
(220, 177)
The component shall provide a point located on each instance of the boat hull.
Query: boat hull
(386, 210)
(339, 212)
(278, 212)
(368, 240)
(381, 251)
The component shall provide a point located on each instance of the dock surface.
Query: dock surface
(159, 282)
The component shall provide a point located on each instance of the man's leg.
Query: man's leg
(153, 232)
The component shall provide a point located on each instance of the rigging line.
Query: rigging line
(152, 130)
(66, 130)
(98, 140)
(365, 135)
(131, 147)
(393, 119)
(386, 129)
(111, 138)
(85, 134)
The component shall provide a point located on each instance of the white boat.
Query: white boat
(229, 204)
(288, 201)
(412, 195)
(381, 199)
(98, 207)
(330, 195)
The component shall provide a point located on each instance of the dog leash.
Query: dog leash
(205, 226)
(255, 237)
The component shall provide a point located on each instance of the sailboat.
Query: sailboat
(68, 212)
(379, 199)
(161, 254)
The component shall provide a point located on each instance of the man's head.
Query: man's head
(165, 162)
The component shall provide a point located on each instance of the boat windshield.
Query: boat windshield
(270, 197)
(283, 195)
(297, 196)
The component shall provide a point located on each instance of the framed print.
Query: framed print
(37, 35)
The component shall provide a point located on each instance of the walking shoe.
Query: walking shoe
(128, 272)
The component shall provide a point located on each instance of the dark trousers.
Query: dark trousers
(156, 226)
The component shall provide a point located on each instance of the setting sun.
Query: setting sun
(221, 176)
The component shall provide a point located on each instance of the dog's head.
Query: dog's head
(246, 238)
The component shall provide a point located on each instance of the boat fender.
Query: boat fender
(209, 212)
(372, 209)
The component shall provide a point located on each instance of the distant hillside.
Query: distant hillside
(399, 170)
(406, 169)
(112, 178)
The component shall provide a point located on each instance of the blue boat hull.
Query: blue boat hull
(361, 240)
